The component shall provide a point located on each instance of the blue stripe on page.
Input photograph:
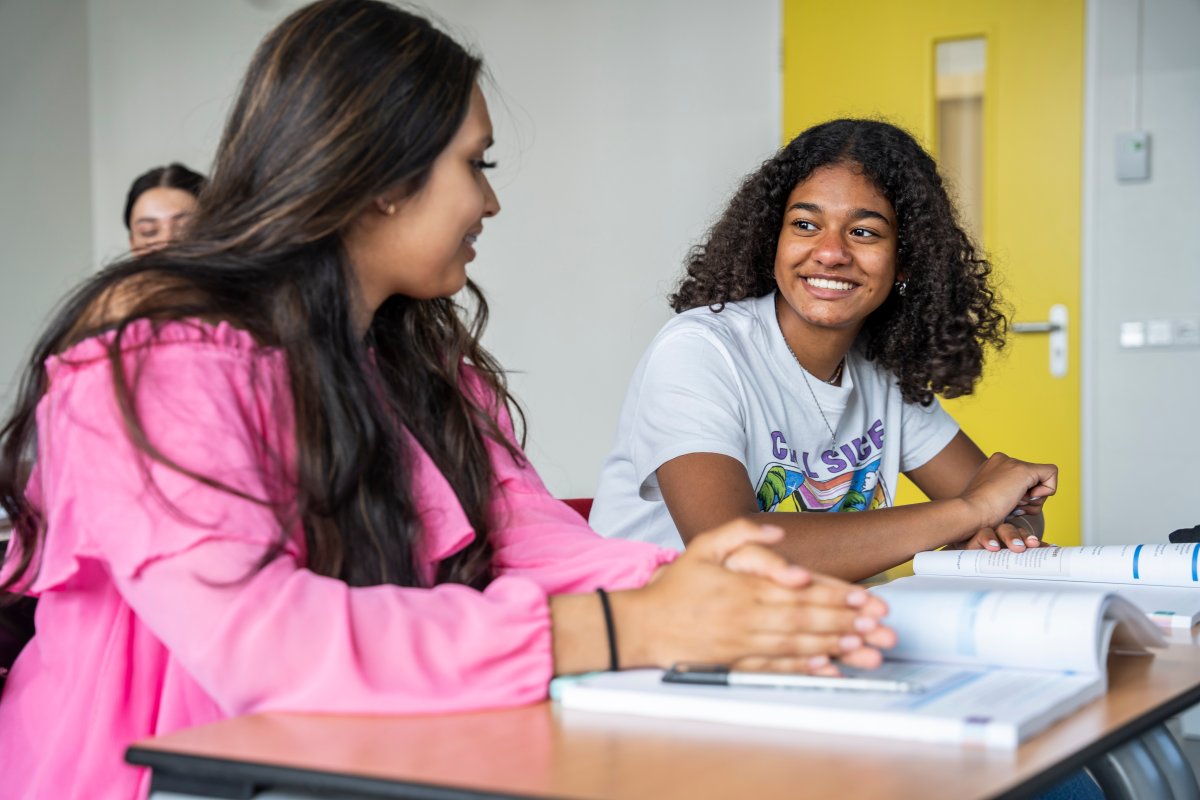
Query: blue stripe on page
(1137, 551)
(1195, 552)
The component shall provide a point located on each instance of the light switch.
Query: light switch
(1133, 334)
(1133, 156)
(1187, 333)
(1158, 333)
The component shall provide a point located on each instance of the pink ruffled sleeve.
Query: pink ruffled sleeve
(178, 550)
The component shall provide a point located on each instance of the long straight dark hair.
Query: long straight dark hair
(343, 101)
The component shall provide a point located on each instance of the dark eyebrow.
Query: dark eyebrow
(855, 215)
(866, 213)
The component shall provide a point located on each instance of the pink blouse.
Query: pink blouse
(145, 627)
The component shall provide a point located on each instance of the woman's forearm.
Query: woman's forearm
(854, 546)
(578, 634)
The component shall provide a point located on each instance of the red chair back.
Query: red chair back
(582, 505)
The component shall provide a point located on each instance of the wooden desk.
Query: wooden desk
(544, 751)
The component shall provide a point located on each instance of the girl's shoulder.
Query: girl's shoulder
(733, 335)
(144, 310)
(187, 338)
(736, 319)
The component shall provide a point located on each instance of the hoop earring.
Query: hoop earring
(901, 288)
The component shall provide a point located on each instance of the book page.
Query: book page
(1029, 699)
(1029, 629)
(1167, 606)
(1153, 564)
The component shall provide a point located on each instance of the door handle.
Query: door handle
(1056, 326)
(1035, 327)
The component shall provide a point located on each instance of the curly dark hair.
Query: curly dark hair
(933, 338)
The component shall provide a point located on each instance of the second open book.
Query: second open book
(995, 667)
(1160, 579)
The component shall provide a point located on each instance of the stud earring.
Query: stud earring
(390, 210)
(901, 288)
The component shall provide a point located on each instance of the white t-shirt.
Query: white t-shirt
(726, 383)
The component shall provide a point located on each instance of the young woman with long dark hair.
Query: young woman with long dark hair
(275, 470)
(832, 300)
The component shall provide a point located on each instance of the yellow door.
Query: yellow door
(879, 58)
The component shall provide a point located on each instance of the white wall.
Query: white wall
(1142, 262)
(622, 127)
(45, 179)
(163, 74)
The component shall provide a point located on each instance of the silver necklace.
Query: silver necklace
(837, 373)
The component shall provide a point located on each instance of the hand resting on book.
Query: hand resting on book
(770, 615)
(1008, 494)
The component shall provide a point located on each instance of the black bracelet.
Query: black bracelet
(614, 663)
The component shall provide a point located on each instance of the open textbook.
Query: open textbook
(1161, 579)
(991, 668)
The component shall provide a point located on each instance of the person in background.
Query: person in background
(159, 205)
(832, 301)
(276, 470)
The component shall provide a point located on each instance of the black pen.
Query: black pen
(716, 675)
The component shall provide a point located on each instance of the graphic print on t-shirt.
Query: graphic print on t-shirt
(783, 488)
(849, 479)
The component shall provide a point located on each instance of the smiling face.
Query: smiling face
(419, 245)
(835, 261)
(158, 217)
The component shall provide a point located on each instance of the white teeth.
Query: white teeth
(470, 238)
(825, 283)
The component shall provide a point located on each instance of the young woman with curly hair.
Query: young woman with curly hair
(833, 299)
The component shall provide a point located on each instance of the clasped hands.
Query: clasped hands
(729, 599)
